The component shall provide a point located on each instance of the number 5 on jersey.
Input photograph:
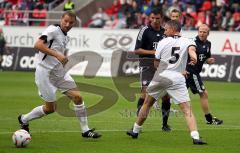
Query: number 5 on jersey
(174, 54)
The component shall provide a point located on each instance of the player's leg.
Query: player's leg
(37, 112)
(149, 101)
(81, 113)
(154, 92)
(79, 107)
(197, 86)
(142, 116)
(190, 118)
(205, 107)
(47, 93)
(178, 91)
(204, 101)
(146, 75)
(166, 105)
(141, 98)
(191, 122)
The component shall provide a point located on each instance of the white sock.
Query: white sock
(34, 114)
(195, 134)
(81, 114)
(136, 128)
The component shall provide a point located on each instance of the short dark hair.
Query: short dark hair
(71, 14)
(156, 11)
(175, 25)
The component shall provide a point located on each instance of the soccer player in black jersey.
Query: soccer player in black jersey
(146, 44)
(194, 80)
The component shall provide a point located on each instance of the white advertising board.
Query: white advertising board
(105, 42)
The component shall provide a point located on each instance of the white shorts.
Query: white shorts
(49, 81)
(169, 82)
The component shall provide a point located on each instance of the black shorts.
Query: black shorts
(146, 75)
(194, 82)
(1, 52)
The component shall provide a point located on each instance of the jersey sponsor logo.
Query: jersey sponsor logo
(214, 71)
(155, 45)
(201, 57)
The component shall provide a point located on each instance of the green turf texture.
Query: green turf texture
(58, 134)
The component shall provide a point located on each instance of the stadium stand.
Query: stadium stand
(220, 15)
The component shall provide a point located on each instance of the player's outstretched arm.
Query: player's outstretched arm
(192, 54)
(141, 51)
(39, 45)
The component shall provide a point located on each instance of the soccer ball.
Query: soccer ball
(21, 138)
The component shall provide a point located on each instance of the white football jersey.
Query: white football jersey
(55, 39)
(173, 51)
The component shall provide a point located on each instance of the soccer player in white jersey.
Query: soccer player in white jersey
(171, 59)
(50, 76)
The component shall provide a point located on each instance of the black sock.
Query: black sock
(139, 104)
(208, 117)
(165, 110)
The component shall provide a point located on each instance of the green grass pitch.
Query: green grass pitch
(58, 134)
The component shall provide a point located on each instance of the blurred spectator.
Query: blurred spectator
(175, 5)
(237, 24)
(175, 14)
(165, 8)
(99, 19)
(217, 21)
(189, 23)
(154, 4)
(207, 5)
(125, 6)
(117, 21)
(114, 8)
(190, 8)
(131, 20)
(39, 13)
(228, 21)
(209, 18)
(201, 18)
(214, 8)
(69, 5)
(146, 7)
(198, 4)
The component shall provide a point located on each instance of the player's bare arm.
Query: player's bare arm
(192, 54)
(185, 74)
(39, 45)
(141, 51)
(210, 60)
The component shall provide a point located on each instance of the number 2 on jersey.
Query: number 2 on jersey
(174, 54)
